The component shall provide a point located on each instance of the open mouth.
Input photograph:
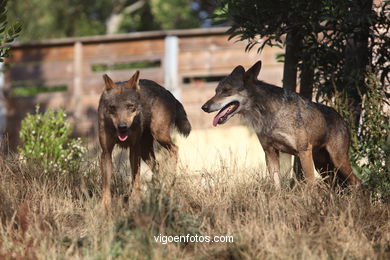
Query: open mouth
(224, 114)
(122, 136)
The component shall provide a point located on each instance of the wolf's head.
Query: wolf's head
(122, 104)
(231, 94)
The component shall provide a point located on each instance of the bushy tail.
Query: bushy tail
(181, 122)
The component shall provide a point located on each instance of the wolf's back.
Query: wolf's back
(151, 90)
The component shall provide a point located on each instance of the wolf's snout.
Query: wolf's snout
(206, 107)
(122, 131)
(122, 127)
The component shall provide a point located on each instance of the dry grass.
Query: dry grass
(41, 218)
(217, 147)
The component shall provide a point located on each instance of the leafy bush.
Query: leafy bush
(368, 142)
(47, 143)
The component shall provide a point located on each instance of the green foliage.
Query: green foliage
(168, 14)
(126, 65)
(372, 135)
(369, 148)
(43, 19)
(331, 38)
(46, 142)
(141, 20)
(35, 90)
(8, 32)
(265, 22)
(174, 14)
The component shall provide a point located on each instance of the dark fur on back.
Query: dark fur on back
(151, 92)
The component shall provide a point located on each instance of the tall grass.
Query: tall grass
(41, 219)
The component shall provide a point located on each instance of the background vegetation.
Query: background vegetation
(8, 31)
(44, 19)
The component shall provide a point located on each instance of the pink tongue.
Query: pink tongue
(122, 137)
(219, 115)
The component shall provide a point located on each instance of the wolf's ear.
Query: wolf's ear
(253, 72)
(133, 82)
(108, 81)
(238, 72)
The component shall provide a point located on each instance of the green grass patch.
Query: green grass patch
(35, 90)
(126, 65)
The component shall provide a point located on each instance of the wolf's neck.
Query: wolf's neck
(255, 115)
(263, 105)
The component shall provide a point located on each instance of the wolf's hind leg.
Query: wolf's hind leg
(163, 137)
(171, 147)
(339, 156)
(324, 166)
(147, 151)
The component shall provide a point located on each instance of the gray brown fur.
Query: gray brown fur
(143, 112)
(286, 122)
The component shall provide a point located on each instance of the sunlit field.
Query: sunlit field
(236, 146)
(219, 192)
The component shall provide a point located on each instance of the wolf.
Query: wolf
(285, 122)
(133, 114)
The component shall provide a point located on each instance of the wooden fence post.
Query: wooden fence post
(171, 79)
(77, 79)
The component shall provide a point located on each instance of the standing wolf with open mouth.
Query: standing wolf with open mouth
(132, 114)
(285, 122)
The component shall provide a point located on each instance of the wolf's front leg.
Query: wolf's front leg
(135, 163)
(306, 158)
(106, 171)
(272, 161)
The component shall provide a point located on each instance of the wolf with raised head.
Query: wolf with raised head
(133, 114)
(285, 122)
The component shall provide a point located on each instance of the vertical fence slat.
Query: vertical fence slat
(77, 79)
(171, 81)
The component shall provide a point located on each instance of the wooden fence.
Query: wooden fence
(67, 73)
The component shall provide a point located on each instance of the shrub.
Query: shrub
(46, 142)
(368, 142)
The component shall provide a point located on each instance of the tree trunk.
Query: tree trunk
(306, 86)
(291, 61)
(306, 90)
(290, 79)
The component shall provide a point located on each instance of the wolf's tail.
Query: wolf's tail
(181, 122)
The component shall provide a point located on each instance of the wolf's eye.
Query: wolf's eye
(224, 90)
(111, 109)
(130, 107)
